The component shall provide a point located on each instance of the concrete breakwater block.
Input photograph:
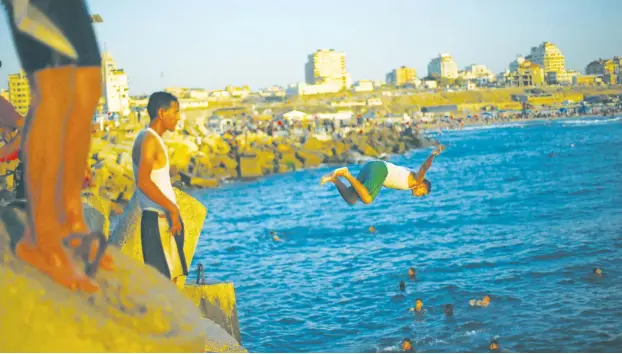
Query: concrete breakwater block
(216, 302)
(136, 309)
(126, 235)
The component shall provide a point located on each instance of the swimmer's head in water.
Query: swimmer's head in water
(422, 189)
(418, 305)
(407, 345)
(597, 272)
(402, 286)
(486, 300)
(412, 272)
(494, 345)
(164, 106)
(449, 310)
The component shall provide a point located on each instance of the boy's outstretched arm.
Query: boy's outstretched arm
(428, 163)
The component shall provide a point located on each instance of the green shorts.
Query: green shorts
(372, 176)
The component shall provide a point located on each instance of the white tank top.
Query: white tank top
(397, 177)
(161, 177)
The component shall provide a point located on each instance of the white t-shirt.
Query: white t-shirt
(397, 177)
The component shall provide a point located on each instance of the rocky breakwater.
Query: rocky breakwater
(255, 155)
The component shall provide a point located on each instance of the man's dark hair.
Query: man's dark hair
(428, 184)
(159, 100)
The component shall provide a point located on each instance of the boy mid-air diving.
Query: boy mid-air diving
(376, 174)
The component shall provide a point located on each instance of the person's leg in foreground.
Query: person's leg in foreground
(56, 141)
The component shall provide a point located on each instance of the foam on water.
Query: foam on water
(590, 121)
(504, 219)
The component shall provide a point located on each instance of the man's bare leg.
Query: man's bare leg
(359, 188)
(75, 151)
(349, 195)
(361, 191)
(42, 244)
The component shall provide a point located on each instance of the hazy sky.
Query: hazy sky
(209, 43)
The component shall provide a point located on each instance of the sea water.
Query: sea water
(522, 212)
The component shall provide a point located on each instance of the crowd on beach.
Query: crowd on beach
(337, 129)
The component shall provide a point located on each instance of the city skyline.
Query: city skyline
(260, 45)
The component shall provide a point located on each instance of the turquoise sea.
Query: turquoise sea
(505, 218)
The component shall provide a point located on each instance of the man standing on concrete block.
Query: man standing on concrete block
(162, 231)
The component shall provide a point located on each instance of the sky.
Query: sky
(213, 43)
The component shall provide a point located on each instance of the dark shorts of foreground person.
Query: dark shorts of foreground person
(73, 19)
(153, 250)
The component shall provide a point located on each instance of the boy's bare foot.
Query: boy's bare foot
(341, 172)
(327, 178)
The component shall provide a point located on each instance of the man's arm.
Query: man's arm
(146, 185)
(428, 163)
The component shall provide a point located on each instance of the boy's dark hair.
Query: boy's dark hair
(428, 184)
(159, 100)
(449, 309)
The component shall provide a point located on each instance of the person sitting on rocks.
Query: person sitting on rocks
(376, 174)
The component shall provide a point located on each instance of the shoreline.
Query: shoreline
(423, 131)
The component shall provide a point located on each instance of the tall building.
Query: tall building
(19, 92)
(552, 61)
(549, 57)
(402, 76)
(327, 67)
(116, 87)
(443, 66)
